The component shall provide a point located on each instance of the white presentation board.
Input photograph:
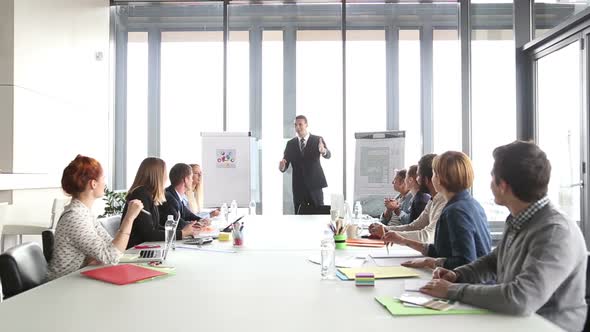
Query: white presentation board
(377, 155)
(231, 164)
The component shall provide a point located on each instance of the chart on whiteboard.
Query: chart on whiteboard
(377, 156)
(374, 166)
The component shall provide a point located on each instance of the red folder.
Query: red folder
(122, 274)
(365, 243)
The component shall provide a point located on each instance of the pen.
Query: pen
(146, 212)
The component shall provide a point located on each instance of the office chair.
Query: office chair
(308, 209)
(111, 224)
(21, 268)
(48, 239)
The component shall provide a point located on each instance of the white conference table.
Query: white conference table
(268, 285)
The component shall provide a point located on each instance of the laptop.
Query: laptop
(146, 255)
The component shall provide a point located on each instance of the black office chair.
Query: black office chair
(21, 268)
(308, 209)
(48, 239)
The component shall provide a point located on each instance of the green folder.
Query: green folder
(397, 308)
(167, 270)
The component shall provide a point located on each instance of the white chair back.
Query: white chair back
(111, 224)
(56, 210)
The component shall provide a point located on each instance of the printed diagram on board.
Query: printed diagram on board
(226, 158)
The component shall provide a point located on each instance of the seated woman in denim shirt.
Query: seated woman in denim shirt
(462, 234)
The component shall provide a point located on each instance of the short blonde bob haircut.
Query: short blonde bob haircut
(454, 171)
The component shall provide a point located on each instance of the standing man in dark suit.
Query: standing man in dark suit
(181, 178)
(303, 153)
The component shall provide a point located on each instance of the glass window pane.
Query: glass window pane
(191, 92)
(137, 98)
(272, 143)
(550, 13)
(559, 118)
(365, 95)
(238, 81)
(319, 96)
(409, 93)
(493, 108)
(446, 77)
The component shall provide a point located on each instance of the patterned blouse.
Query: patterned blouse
(79, 236)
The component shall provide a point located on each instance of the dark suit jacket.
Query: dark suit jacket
(146, 228)
(174, 206)
(307, 170)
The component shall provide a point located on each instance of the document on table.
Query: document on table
(414, 285)
(348, 261)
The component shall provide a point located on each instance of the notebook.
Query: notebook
(380, 272)
(397, 308)
(122, 274)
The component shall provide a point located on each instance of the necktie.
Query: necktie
(302, 144)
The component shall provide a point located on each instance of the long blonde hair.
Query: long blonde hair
(195, 194)
(150, 175)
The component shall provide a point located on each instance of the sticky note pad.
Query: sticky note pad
(364, 279)
(223, 236)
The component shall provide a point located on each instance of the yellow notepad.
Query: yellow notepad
(381, 272)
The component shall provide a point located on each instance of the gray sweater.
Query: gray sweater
(543, 271)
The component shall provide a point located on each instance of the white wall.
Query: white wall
(61, 96)
(54, 93)
(6, 82)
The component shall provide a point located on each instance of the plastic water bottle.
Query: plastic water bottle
(252, 207)
(224, 212)
(233, 208)
(358, 211)
(328, 258)
(347, 213)
(170, 232)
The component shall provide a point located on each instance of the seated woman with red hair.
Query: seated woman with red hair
(79, 238)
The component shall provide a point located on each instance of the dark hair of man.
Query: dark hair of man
(425, 166)
(178, 173)
(524, 167)
(301, 117)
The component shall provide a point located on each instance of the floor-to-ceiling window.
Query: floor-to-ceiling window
(319, 96)
(191, 92)
(559, 123)
(402, 66)
(409, 93)
(493, 97)
(365, 91)
(446, 89)
(137, 98)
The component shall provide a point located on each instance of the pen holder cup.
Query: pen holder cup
(238, 239)
(224, 236)
(340, 240)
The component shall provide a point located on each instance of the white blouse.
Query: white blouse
(79, 236)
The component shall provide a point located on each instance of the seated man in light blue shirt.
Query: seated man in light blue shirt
(540, 264)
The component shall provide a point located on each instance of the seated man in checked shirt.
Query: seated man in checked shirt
(540, 264)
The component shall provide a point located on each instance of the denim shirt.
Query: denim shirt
(462, 233)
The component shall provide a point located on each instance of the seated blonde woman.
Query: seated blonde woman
(195, 194)
(80, 239)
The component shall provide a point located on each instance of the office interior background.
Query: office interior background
(123, 80)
